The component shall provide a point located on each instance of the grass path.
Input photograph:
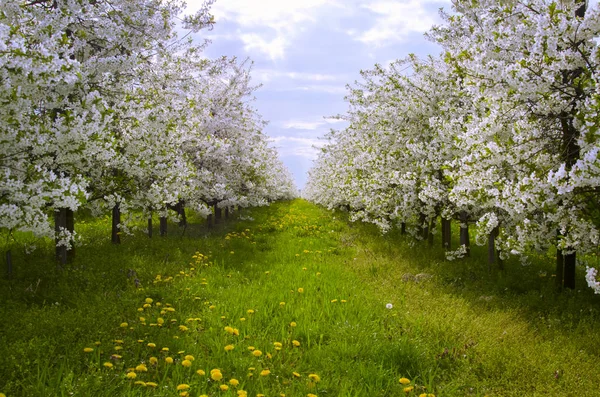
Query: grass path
(291, 302)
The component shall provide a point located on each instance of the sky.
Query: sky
(305, 52)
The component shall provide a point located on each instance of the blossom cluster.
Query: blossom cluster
(104, 105)
(500, 130)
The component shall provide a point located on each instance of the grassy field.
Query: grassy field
(289, 300)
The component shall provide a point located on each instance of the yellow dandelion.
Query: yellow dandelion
(165, 349)
(295, 343)
(251, 348)
(140, 383)
(300, 290)
(141, 368)
(224, 387)
(189, 357)
(250, 311)
(212, 307)
(153, 360)
(265, 372)
(296, 374)
(183, 328)
(314, 377)
(343, 301)
(216, 374)
(408, 389)
(229, 330)
(293, 324)
(152, 345)
(236, 332)
(152, 384)
(242, 393)
(311, 395)
(169, 360)
(186, 363)
(97, 343)
(124, 325)
(149, 300)
(234, 382)
(334, 300)
(108, 365)
(251, 369)
(182, 387)
(88, 350)
(160, 321)
(201, 372)
(131, 375)
(281, 304)
(229, 348)
(117, 348)
(257, 353)
(184, 394)
(277, 345)
(404, 381)
(242, 319)
(140, 341)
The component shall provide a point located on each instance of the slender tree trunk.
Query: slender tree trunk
(430, 232)
(464, 232)
(560, 268)
(226, 212)
(64, 219)
(9, 265)
(491, 249)
(217, 214)
(447, 234)
(162, 228)
(150, 226)
(424, 226)
(181, 212)
(209, 220)
(565, 269)
(403, 228)
(116, 223)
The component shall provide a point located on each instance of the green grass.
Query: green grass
(463, 332)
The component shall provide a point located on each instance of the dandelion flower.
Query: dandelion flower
(229, 348)
(314, 377)
(293, 324)
(165, 349)
(149, 300)
(243, 319)
(389, 306)
(300, 290)
(251, 348)
(295, 343)
(234, 382)
(224, 387)
(311, 395)
(152, 384)
(257, 353)
(189, 357)
(141, 368)
(277, 345)
(117, 348)
(265, 372)
(201, 372)
(124, 325)
(216, 374)
(404, 381)
(184, 394)
(152, 345)
(186, 363)
(140, 383)
(153, 360)
(88, 350)
(169, 360)
(212, 307)
(229, 330)
(250, 311)
(281, 304)
(160, 321)
(131, 375)
(242, 393)
(108, 365)
(296, 374)
(182, 387)
(408, 389)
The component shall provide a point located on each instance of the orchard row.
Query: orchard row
(104, 106)
(500, 131)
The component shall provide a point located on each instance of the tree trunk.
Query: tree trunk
(464, 232)
(162, 228)
(403, 228)
(424, 226)
(560, 268)
(150, 226)
(63, 219)
(181, 212)
(430, 232)
(447, 234)
(116, 223)
(217, 214)
(226, 212)
(209, 220)
(9, 265)
(491, 249)
(565, 269)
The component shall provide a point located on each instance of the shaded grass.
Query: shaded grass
(462, 332)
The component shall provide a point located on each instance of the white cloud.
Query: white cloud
(295, 146)
(309, 125)
(267, 75)
(396, 20)
(269, 25)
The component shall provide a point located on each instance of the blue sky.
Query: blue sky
(306, 51)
